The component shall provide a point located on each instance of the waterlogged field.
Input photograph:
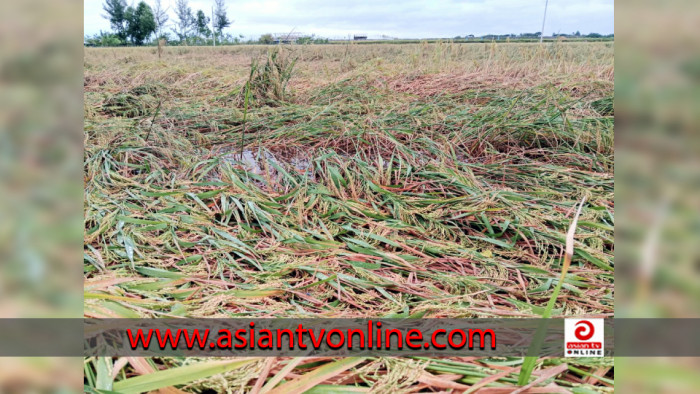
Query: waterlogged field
(415, 180)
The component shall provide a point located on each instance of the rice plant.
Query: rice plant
(432, 180)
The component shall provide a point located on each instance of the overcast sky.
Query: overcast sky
(395, 18)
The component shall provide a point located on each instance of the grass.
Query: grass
(430, 180)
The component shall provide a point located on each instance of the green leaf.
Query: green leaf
(159, 273)
(318, 375)
(104, 373)
(177, 376)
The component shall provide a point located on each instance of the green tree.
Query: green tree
(140, 23)
(221, 20)
(185, 19)
(116, 14)
(202, 24)
(104, 40)
(266, 39)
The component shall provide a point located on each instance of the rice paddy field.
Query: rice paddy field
(415, 180)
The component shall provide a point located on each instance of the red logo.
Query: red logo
(585, 332)
(583, 337)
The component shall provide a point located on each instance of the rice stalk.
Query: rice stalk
(529, 362)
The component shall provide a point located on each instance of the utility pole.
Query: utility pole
(213, 30)
(543, 19)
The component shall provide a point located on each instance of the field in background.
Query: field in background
(422, 180)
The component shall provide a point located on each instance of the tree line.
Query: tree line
(533, 36)
(136, 25)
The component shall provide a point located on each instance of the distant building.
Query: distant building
(358, 37)
(286, 38)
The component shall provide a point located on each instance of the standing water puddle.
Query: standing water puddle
(253, 162)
